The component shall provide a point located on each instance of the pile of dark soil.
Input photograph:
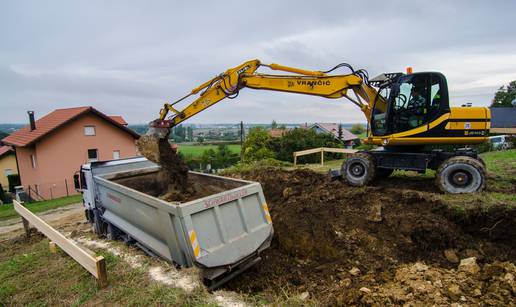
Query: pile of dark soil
(332, 240)
(200, 186)
(173, 176)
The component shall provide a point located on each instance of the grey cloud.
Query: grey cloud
(128, 57)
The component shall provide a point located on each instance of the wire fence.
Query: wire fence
(51, 190)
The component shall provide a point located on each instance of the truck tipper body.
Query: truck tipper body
(223, 233)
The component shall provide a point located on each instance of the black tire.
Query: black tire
(382, 173)
(359, 169)
(461, 174)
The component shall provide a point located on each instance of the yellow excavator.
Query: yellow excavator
(405, 113)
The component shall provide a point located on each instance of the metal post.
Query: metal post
(66, 186)
(241, 141)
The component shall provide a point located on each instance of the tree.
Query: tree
(301, 139)
(3, 135)
(256, 145)
(505, 96)
(189, 132)
(340, 132)
(274, 124)
(357, 129)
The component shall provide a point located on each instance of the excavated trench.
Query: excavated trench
(326, 230)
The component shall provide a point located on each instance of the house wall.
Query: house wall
(60, 154)
(8, 161)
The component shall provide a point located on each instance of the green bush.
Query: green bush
(2, 194)
(14, 180)
(256, 145)
(254, 165)
(220, 158)
(301, 139)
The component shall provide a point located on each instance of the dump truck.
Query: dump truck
(223, 234)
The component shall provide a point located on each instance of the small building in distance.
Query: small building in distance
(333, 128)
(7, 165)
(51, 149)
(503, 121)
(278, 132)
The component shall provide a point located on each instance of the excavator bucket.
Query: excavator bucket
(148, 144)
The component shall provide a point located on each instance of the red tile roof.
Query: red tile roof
(119, 119)
(56, 119)
(276, 133)
(333, 128)
(5, 150)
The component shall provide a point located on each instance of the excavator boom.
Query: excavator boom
(229, 83)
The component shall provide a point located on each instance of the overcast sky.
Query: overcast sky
(128, 57)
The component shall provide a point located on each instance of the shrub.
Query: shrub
(254, 165)
(256, 145)
(301, 139)
(2, 194)
(14, 180)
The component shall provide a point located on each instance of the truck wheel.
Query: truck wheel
(461, 174)
(359, 169)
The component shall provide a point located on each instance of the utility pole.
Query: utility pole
(241, 141)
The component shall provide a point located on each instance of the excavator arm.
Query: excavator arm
(229, 83)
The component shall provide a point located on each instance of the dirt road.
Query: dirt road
(55, 217)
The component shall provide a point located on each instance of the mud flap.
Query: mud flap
(213, 284)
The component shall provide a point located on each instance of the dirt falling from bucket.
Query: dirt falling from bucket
(173, 176)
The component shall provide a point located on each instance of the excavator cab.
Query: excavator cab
(414, 100)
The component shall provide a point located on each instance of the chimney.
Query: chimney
(31, 120)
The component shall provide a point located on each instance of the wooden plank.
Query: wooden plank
(82, 256)
(339, 150)
(307, 152)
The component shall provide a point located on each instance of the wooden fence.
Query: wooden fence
(322, 150)
(86, 258)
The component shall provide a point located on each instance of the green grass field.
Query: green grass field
(197, 150)
(7, 211)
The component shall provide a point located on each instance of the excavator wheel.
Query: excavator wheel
(359, 169)
(461, 174)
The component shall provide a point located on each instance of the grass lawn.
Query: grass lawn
(32, 276)
(8, 212)
(197, 150)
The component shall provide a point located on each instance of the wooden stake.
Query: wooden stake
(53, 247)
(101, 272)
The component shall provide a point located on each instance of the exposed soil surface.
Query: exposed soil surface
(199, 186)
(393, 243)
(173, 176)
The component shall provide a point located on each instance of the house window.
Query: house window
(89, 130)
(92, 155)
(33, 160)
(8, 172)
(116, 154)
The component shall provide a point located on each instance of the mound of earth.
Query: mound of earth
(346, 245)
(173, 176)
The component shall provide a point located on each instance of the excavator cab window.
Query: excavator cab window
(415, 100)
